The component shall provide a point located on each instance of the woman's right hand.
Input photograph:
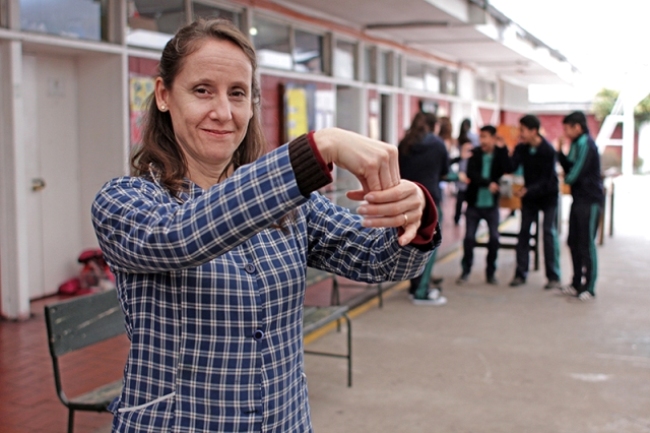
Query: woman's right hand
(374, 163)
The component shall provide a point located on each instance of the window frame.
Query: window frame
(326, 44)
(356, 43)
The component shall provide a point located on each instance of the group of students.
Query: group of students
(424, 158)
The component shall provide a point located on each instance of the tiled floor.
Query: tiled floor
(28, 401)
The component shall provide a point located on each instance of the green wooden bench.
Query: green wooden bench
(314, 318)
(316, 276)
(78, 323)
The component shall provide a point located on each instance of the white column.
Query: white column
(14, 187)
(627, 160)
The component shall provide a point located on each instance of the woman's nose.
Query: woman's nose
(221, 108)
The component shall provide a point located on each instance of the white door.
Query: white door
(51, 125)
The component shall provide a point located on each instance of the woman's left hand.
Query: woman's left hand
(399, 206)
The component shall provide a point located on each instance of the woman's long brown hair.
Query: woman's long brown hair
(422, 124)
(159, 148)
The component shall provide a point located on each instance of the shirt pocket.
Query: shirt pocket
(154, 416)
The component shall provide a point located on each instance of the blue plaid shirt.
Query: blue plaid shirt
(213, 294)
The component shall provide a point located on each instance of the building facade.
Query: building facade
(74, 75)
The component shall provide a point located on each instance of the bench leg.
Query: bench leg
(70, 420)
(336, 299)
(349, 323)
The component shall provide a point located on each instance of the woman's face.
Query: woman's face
(210, 103)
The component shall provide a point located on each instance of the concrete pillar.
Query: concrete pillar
(14, 187)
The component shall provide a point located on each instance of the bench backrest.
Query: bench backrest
(82, 321)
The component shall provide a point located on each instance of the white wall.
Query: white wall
(514, 97)
(103, 147)
(466, 79)
(644, 146)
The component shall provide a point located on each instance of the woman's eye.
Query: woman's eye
(238, 93)
(201, 91)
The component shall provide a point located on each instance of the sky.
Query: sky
(603, 38)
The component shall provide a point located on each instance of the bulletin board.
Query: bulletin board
(140, 88)
(299, 110)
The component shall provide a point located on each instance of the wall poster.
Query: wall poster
(299, 110)
(140, 88)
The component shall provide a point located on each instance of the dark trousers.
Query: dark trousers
(583, 226)
(530, 214)
(420, 284)
(473, 216)
(460, 199)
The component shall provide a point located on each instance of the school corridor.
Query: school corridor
(494, 359)
(498, 359)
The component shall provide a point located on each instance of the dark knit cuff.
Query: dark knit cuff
(308, 165)
(429, 224)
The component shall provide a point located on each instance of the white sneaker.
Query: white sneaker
(586, 296)
(433, 293)
(434, 297)
(569, 290)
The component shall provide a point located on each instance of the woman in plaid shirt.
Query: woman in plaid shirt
(210, 239)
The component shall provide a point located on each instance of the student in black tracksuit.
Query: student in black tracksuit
(540, 193)
(484, 169)
(582, 172)
(423, 158)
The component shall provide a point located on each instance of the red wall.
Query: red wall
(510, 118)
(143, 66)
(272, 103)
(486, 115)
(552, 126)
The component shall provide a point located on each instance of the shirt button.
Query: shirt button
(250, 268)
(258, 335)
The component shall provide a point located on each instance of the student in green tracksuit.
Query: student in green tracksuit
(582, 172)
(540, 192)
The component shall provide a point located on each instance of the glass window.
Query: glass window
(414, 78)
(153, 23)
(449, 82)
(432, 79)
(4, 13)
(345, 60)
(308, 52)
(384, 70)
(486, 90)
(369, 67)
(204, 10)
(81, 19)
(398, 71)
(272, 43)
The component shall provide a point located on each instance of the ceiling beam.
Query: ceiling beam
(407, 25)
(450, 41)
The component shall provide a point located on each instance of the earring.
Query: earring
(163, 108)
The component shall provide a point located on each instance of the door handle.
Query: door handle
(38, 184)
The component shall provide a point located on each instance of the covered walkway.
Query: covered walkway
(497, 359)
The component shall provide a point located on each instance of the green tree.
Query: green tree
(605, 100)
